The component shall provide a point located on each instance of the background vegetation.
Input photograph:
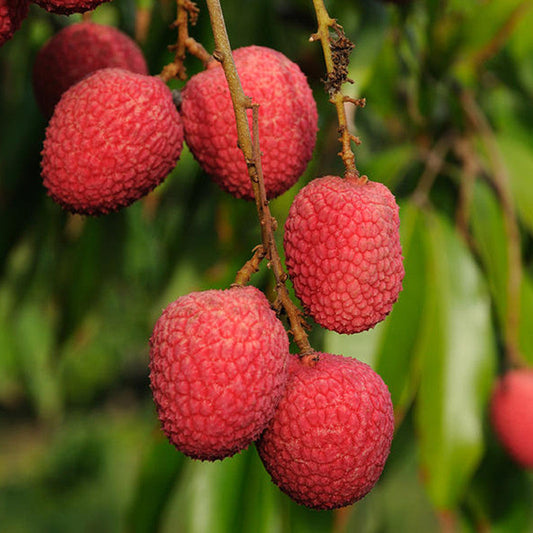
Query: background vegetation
(447, 126)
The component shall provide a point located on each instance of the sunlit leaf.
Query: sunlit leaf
(459, 360)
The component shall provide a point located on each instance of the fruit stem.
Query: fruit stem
(252, 155)
(336, 56)
(250, 267)
(187, 11)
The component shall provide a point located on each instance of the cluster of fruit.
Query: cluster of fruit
(220, 368)
(221, 373)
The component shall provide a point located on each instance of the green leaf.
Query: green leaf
(390, 164)
(206, 499)
(161, 467)
(488, 231)
(518, 159)
(35, 330)
(457, 367)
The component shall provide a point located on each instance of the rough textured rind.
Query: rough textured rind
(343, 252)
(75, 52)
(218, 363)
(12, 13)
(287, 121)
(331, 435)
(67, 7)
(511, 412)
(113, 137)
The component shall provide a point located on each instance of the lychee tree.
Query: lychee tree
(445, 128)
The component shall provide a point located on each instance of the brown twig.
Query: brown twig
(435, 159)
(143, 17)
(251, 151)
(187, 12)
(336, 56)
(501, 183)
(471, 169)
(251, 266)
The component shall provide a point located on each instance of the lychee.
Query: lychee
(327, 444)
(343, 252)
(287, 121)
(67, 7)
(12, 13)
(218, 364)
(76, 51)
(113, 137)
(511, 414)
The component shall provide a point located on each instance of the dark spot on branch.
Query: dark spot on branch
(341, 48)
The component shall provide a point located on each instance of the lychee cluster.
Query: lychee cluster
(222, 377)
(115, 132)
(220, 369)
(511, 414)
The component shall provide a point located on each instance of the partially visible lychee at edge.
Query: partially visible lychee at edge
(328, 442)
(12, 13)
(75, 52)
(218, 367)
(287, 121)
(68, 7)
(511, 414)
(343, 252)
(114, 136)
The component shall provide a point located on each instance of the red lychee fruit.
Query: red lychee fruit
(76, 51)
(331, 435)
(287, 121)
(511, 414)
(12, 13)
(343, 252)
(218, 364)
(113, 137)
(67, 7)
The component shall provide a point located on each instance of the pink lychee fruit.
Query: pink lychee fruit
(67, 7)
(218, 363)
(12, 13)
(76, 51)
(511, 414)
(287, 121)
(327, 444)
(113, 137)
(343, 252)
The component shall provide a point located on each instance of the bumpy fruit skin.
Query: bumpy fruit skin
(511, 414)
(218, 364)
(343, 252)
(12, 13)
(67, 7)
(113, 137)
(287, 121)
(75, 52)
(331, 435)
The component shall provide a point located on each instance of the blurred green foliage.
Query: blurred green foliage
(447, 126)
